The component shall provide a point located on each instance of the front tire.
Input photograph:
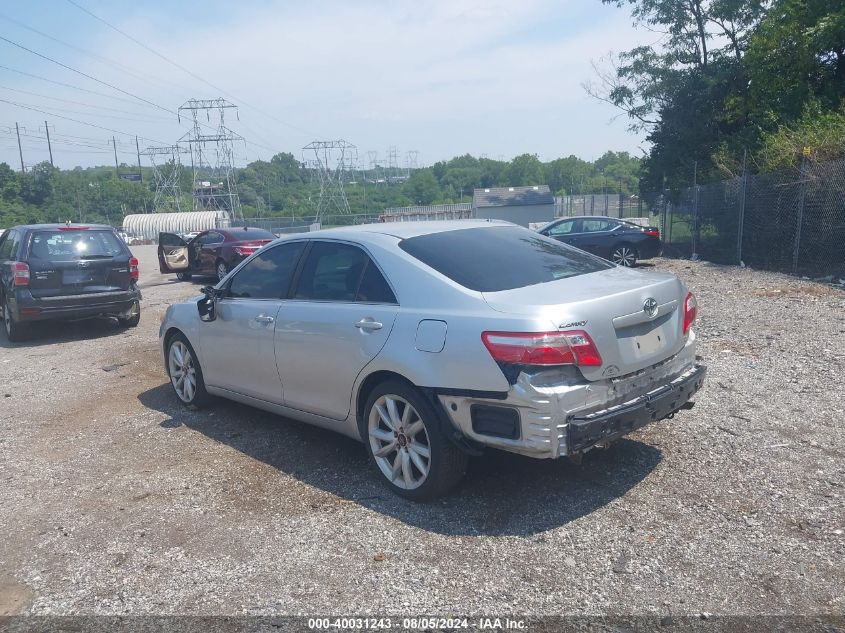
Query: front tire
(222, 270)
(401, 431)
(624, 255)
(15, 330)
(185, 373)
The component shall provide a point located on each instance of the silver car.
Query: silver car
(430, 341)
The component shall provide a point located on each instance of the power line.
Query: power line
(66, 85)
(101, 58)
(185, 70)
(59, 116)
(144, 118)
(79, 72)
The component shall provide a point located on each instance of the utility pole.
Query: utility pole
(114, 144)
(49, 147)
(20, 151)
(138, 150)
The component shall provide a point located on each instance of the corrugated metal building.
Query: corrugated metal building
(520, 205)
(149, 225)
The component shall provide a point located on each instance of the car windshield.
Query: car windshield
(251, 234)
(71, 245)
(500, 258)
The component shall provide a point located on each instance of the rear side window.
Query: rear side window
(341, 272)
(59, 246)
(268, 275)
(593, 226)
(500, 258)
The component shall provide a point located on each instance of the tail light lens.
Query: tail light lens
(248, 248)
(20, 273)
(572, 347)
(690, 311)
(133, 268)
(653, 232)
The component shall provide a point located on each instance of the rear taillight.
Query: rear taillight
(573, 347)
(652, 232)
(245, 250)
(20, 273)
(133, 268)
(690, 311)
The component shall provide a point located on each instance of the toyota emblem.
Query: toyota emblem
(650, 307)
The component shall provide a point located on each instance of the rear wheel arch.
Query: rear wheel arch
(371, 382)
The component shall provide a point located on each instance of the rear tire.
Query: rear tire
(185, 373)
(183, 276)
(624, 255)
(134, 319)
(15, 330)
(412, 456)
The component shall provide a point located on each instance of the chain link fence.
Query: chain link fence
(789, 221)
(614, 205)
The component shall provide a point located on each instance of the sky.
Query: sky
(439, 77)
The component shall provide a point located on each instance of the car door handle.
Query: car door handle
(263, 318)
(368, 324)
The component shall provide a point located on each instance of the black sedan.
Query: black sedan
(623, 243)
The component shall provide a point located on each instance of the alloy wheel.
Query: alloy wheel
(399, 441)
(624, 256)
(222, 270)
(183, 373)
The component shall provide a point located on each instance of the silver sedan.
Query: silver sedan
(431, 341)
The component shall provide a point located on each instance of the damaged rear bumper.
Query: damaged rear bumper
(586, 430)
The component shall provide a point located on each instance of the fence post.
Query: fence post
(741, 225)
(694, 254)
(800, 214)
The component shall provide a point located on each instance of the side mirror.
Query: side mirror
(207, 306)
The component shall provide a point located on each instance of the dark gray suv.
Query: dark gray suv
(65, 271)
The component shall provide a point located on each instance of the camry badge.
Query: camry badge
(650, 307)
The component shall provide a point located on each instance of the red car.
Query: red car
(211, 253)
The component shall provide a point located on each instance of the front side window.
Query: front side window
(491, 259)
(268, 275)
(341, 272)
(563, 228)
(72, 245)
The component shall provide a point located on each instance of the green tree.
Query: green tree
(422, 187)
(524, 170)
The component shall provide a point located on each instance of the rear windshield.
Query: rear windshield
(251, 234)
(500, 258)
(59, 246)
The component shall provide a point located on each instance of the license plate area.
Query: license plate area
(78, 277)
(647, 340)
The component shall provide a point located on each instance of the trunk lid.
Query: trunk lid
(75, 262)
(634, 318)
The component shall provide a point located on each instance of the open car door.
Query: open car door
(173, 254)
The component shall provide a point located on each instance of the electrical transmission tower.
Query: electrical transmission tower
(411, 161)
(212, 155)
(393, 164)
(167, 176)
(332, 161)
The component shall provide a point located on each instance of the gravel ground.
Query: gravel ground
(114, 500)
